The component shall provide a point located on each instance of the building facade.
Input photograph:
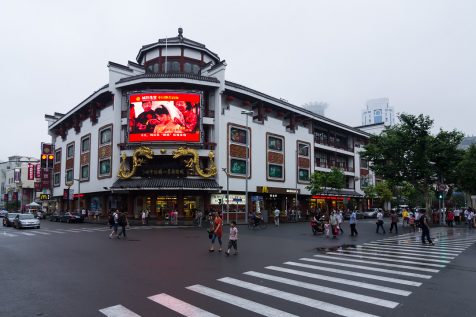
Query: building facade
(170, 133)
(378, 111)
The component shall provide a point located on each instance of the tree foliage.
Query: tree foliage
(321, 182)
(466, 171)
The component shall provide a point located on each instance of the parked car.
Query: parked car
(56, 216)
(71, 217)
(372, 212)
(26, 221)
(3, 213)
(358, 214)
(8, 219)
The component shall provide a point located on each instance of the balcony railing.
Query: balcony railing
(329, 165)
(333, 143)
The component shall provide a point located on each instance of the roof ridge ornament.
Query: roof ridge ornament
(180, 36)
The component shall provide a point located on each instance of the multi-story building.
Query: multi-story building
(378, 111)
(16, 186)
(168, 132)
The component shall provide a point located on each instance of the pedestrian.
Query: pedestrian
(199, 218)
(353, 222)
(334, 224)
(147, 216)
(327, 228)
(123, 222)
(114, 222)
(417, 220)
(380, 222)
(450, 217)
(340, 221)
(405, 217)
(394, 222)
(425, 230)
(276, 216)
(217, 232)
(457, 213)
(143, 217)
(411, 222)
(233, 239)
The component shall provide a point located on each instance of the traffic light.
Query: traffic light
(440, 195)
(51, 158)
(44, 160)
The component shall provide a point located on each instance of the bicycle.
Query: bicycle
(252, 225)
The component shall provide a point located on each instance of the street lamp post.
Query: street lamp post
(224, 169)
(247, 113)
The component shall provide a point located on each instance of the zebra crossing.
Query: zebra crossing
(12, 233)
(365, 280)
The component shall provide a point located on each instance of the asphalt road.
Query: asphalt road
(76, 270)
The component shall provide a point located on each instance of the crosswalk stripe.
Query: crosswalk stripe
(314, 303)
(55, 231)
(25, 233)
(410, 248)
(395, 256)
(420, 246)
(180, 306)
(397, 251)
(239, 301)
(388, 260)
(338, 280)
(378, 263)
(326, 290)
(118, 311)
(367, 268)
(352, 273)
(9, 234)
(41, 232)
(455, 243)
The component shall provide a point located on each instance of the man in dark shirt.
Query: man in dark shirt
(147, 120)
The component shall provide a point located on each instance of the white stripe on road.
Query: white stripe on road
(373, 252)
(180, 306)
(368, 268)
(426, 247)
(327, 290)
(388, 260)
(240, 302)
(118, 311)
(25, 233)
(335, 309)
(41, 232)
(54, 231)
(378, 263)
(338, 280)
(352, 273)
(9, 234)
(399, 251)
(410, 248)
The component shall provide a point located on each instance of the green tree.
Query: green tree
(383, 191)
(322, 182)
(407, 152)
(466, 171)
(371, 193)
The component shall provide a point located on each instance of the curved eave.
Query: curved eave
(103, 90)
(147, 80)
(143, 50)
(244, 91)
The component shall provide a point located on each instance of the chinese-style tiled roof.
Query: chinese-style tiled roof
(169, 75)
(165, 183)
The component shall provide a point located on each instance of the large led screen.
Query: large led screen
(164, 117)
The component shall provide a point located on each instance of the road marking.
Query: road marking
(9, 234)
(25, 233)
(379, 263)
(54, 231)
(41, 232)
(118, 311)
(338, 310)
(361, 267)
(389, 260)
(418, 253)
(426, 247)
(352, 273)
(338, 280)
(410, 248)
(327, 290)
(373, 252)
(438, 242)
(240, 302)
(179, 306)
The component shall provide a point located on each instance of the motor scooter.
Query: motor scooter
(317, 226)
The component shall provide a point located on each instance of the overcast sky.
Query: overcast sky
(419, 54)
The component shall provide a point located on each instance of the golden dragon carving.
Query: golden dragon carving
(194, 161)
(139, 156)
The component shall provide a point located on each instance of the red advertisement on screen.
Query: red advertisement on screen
(38, 170)
(164, 117)
(31, 172)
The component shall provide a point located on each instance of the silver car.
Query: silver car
(26, 221)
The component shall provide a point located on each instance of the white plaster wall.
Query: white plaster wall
(188, 52)
(152, 54)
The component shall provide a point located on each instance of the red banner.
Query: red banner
(327, 197)
(38, 170)
(14, 196)
(31, 172)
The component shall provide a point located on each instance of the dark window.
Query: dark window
(105, 136)
(85, 172)
(303, 149)
(187, 68)
(58, 156)
(303, 174)
(275, 171)
(175, 67)
(238, 166)
(70, 151)
(275, 144)
(69, 176)
(85, 144)
(196, 69)
(156, 68)
(105, 167)
(56, 179)
(238, 135)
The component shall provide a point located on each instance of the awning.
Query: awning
(164, 184)
(341, 193)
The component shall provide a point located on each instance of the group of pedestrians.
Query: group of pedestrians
(118, 219)
(215, 233)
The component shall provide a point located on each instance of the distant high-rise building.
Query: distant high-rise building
(378, 111)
